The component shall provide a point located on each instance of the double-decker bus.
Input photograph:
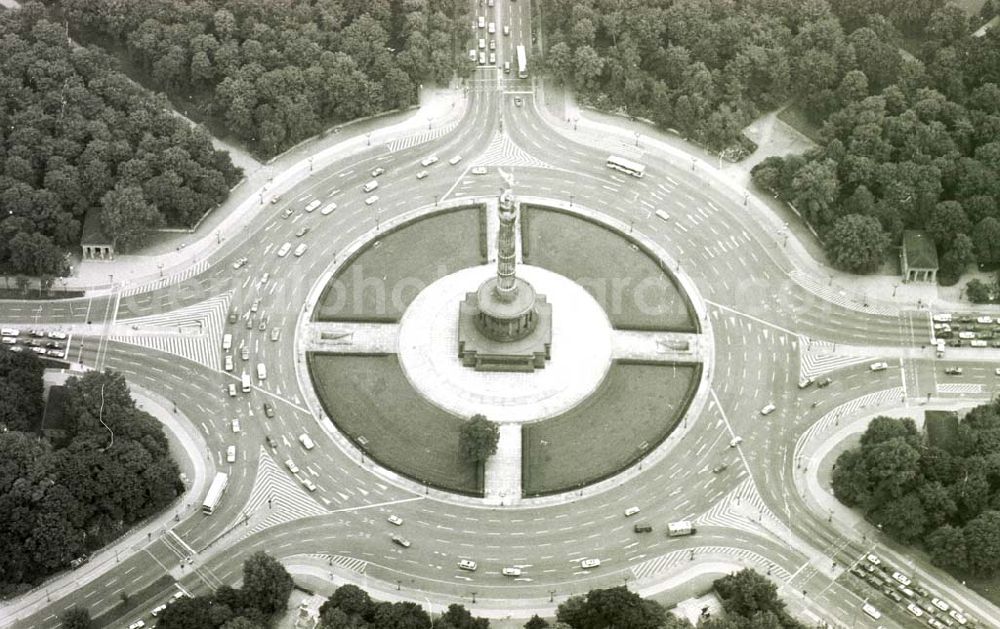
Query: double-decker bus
(626, 166)
(522, 63)
(215, 492)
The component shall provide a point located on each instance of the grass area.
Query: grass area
(795, 117)
(627, 282)
(372, 402)
(942, 428)
(633, 410)
(382, 279)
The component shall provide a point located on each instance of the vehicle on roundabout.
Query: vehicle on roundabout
(402, 541)
(284, 249)
(308, 484)
(825, 382)
(479, 170)
(427, 161)
(589, 563)
(767, 410)
(467, 564)
(879, 366)
(805, 382)
(378, 171)
(721, 467)
(631, 511)
(511, 571)
(455, 160)
(395, 519)
(953, 371)
(292, 467)
(328, 208)
(271, 442)
(240, 262)
(735, 441)
(302, 232)
(268, 410)
(306, 441)
(371, 200)
(287, 212)
(421, 174)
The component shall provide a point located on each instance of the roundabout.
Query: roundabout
(625, 415)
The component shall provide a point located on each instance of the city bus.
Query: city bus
(522, 63)
(626, 166)
(215, 492)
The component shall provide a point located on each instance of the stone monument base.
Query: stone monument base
(482, 353)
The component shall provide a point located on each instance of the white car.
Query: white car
(427, 161)
(329, 207)
(228, 362)
(631, 511)
(455, 160)
(292, 467)
(479, 170)
(240, 263)
(300, 250)
(467, 564)
(308, 484)
(767, 410)
(493, 58)
(156, 610)
(511, 571)
(284, 249)
(236, 425)
(936, 602)
(873, 558)
(255, 306)
(231, 454)
(421, 174)
(139, 624)
(395, 519)
(9, 340)
(902, 578)
(735, 441)
(61, 336)
(371, 200)
(984, 319)
(378, 171)
(590, 563)
(492, 28)
(959, 618)
(306, 442)
(55, 353)
(267, 276)
(506, 29)
(232, 390)
(880, 366)
(913, 609)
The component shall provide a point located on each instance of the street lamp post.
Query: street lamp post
(894, 287)
(368, 138)
(428, 123)
(552, 594)
(160, 266)
(636, 134)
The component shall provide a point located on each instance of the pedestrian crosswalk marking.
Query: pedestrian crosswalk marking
(679, 558)
(837, 297)
(175, 278)
(959, 388)
(350, 563)
(420, 138)
(193, 332)
(277, 496)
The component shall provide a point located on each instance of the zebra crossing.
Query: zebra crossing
(742, 509)
(348, 563)
(960, 388)
(838, 297)
(886, 397)
(406, 142)
(819, 357)
(277, 496)
(175, 278)
(503, 151)
(193, 332)
(663, 563)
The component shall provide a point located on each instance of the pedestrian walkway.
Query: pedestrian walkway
(666, 347)
(503, 469)
(348, 337)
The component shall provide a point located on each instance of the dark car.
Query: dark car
(825, 382)
(643, 527)
(268, 409)
(270, 440)
(953, 371)
(233, 316)
(721, 467)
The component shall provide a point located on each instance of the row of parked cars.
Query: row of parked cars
(51, 344)
(966, 330)
(936, 612)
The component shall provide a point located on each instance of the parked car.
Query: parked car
(61, 336)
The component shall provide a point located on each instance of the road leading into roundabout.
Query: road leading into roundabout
(763, 322)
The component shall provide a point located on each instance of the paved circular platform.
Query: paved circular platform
(581, 351)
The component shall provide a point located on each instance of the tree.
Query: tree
(979, 292)
(76, 618)
(536, 623)
(127, 218)
(982, 542)
(458, 617)
(478, 438)
(946, 545)
(956, 260)
(814, 189)
(611, 607)
(882, 428)
(559, 60)
(266, 583)
(856, 243)
(987, 242)
(745, 593)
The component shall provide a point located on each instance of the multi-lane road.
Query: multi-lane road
(762, 319)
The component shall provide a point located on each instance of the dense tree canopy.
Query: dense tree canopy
(275, 73)
(478, 438)
(943, 495)
(76, 135)
(751, 600)
(61, 499)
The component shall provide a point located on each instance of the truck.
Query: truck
(245, 381)
(680, 528)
